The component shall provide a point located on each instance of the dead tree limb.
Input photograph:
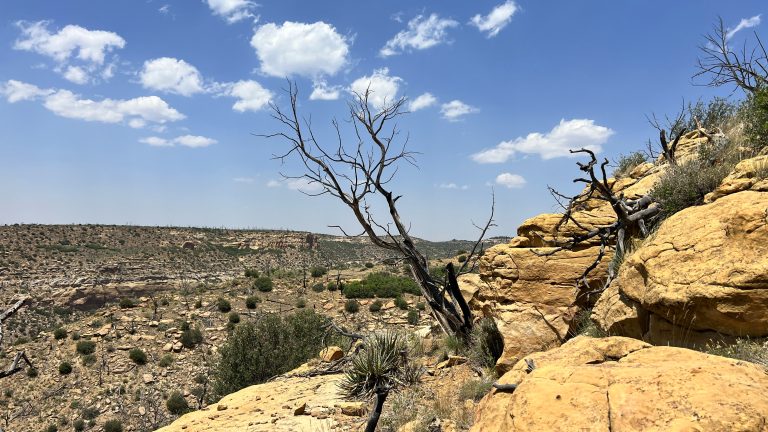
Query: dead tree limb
(632, 219)
(358, 173)
(16, 365)
(746, 68)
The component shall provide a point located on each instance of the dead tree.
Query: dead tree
(359, 174)
(720, 64)
(17, 364)
(632, 219)
(677, 128)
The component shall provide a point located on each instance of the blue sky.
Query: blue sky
(145, 112)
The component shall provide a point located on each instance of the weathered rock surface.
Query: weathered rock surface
(533, 297)
(705, 272)
(749, 174)
(286, 404)
(621, 384)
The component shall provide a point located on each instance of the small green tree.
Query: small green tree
(223, 305)
(85, 347)
(263, 284)
(65, 368)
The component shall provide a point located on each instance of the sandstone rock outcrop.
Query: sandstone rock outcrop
(749, 174)
(621, 384)
(703, 274)
(532, 297)
(274, 406)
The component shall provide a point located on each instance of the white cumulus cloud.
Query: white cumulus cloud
(456, 109)
(16, 91)
(422, 33)
(496, 20)
(70, 44)
(425, 100)
(322, 91)
(192, 141)
(745, 23)
(146, 108)
(171, 75)
(233, 10)
(383, 87)
(250, 94)
(511, 181)
(293, 48)
(567, 135)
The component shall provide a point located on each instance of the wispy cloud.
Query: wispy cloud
(192, 141)
(422, 33)
(496, 20)
(745, 23)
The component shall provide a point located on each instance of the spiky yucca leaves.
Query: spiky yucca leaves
(382, 365)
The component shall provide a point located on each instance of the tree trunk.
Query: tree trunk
(373, 420)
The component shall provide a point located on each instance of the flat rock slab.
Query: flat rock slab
(620, 384)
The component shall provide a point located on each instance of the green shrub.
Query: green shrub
(85, 347)
(88, 360)
(113, 426)
(754, 114)
(32, 372)
(272, 345)
(190, 338)
(383, 362)
(263, 284)
(251, 273)
(485, 343)
(223, 305)
(717, 113)
(79, 425)
(198, 304)
(234, 317)
(137, 356)
(421, 306)
(375, 306)
(251, 302)
(65, 368)
(127, 303)
(301, 303)
(75, 336)
(316, 272)
(401, 303)
(439, 272)
(475, 389)
(583, 325)
(60, 333)
(52, 428)
(90, 413)
(413, 317)
(381, 285)
(627, 163)
(686, 185)
(184, 326)
(332, 286)
(352, 306)
(176, 404)
(461, 258)
(166, 361)
(369, 265)
(318, 287)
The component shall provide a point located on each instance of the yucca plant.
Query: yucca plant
(381, 366)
